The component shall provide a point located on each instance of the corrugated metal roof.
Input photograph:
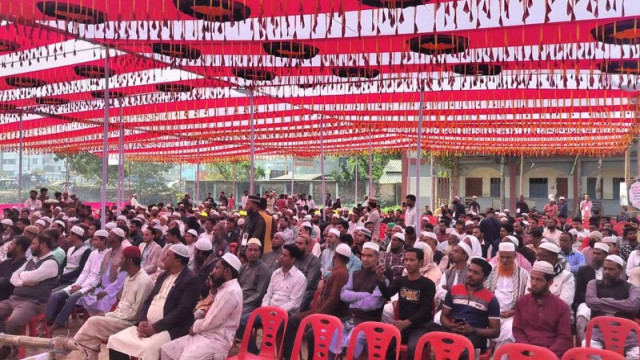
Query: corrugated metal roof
(392, 178)
(301, 177)
(393, 166)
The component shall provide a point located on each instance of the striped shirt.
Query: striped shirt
(476, 309)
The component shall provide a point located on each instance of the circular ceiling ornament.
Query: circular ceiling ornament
(254, 74)
(92, 71)
(174, 88)
(628, 67)
(99, 94)
(394, 4)
(291, 50)
(4, 108)
(176, 51)
(623, 32)
(214, 10)
(477, 69)
(8, 46)
(436, 44)
(51, 101)
(355, 72)
(24, 82)
(71, 12)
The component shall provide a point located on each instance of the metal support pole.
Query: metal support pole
(293, 172)
(197, 199)
(20, 159)
(105, 143)
(432, 203)
(521, 173)
(355, 197)
(252, 144)
(324, 189)
(370, 164)
(418, 162)
(121, 198)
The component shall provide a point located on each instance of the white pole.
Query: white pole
(121, 199)
(370, 164)
(20, 160)
(418, 161)
(324, 189)
(293, 172)
(252, 145)
(355, 197)
(432, 203)
(105, 143)
(197, 199)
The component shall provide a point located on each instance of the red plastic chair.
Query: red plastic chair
(232, 247)
(445, 346)
(323, 327)
(31, 329)
(273, 319)
(524, 352)
(590, 354)
(614, 330)
(378, 337)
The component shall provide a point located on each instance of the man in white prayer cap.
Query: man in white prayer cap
(613, 296)
(564, 285)
(585, 274)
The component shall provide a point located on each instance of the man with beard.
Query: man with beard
(33, 283)
(457, 207)
(255, 226)
(474, 207)
(585, 274)
(552, 233)
(204, 259)
(272, 257)
(309, 265)
(410, 215)
(374, 217)
(16, 250)
(135, 238)
(551, 331)
(326, 258)
(521, 206)
(629, 242)
(613, 296)
(150, 250)
(563, 285)
(394, 258)
(212, 336)
(254, 277)
(508, 282)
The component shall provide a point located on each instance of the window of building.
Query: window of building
(616, 188)
(538, 187)
(591, 188)
(9, 161)
(473, 186)
(495, 187)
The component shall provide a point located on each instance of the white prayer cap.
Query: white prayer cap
(46, 218)
(399, 236)
(307, 224)
(165, 217)
(307, 218)
(41, 222)
(371, 245)
(334, 232)
(610, 240)
(335, 216)
(232, 260)
(456, 235)
(240, 221)
(430, 235)
(122, 217)
(420, 245)
(77, 230)
(513, 239)
(175, 213)
(193, 232)
(73, 219)
(60, 222)
(204, 244)
(180, 250)
(507, 246)
(37, 214)
(543, 267)
(109, 226)
(344, 249)
(466, 248)
(506, 210)
(502, 215)
(602, 246)
(65, 218)
(595, 235)
(550, 247)
(101, 233)
(254, 241)
(616, 259)
(525, 222)
(469, 222)
(524, 215)
(7, 222)
(119, 232)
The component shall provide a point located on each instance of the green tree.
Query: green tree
(347, 166)
(234, 172)
(89, 167)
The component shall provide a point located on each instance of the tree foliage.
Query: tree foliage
(234, 171)
(347, 167)
(89, 167)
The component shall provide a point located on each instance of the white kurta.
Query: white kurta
(214, 333)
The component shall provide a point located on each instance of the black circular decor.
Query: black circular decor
(7, 45)
(291, 50)
(355, 72)
(477, 69)
(630, 67)
(176, 51)
(394, 4)
(214, 10)
(24, 82)
(71, 12)
(112, 94)
(174, 88)
(92, 71)
(51, 101)
(436, 44)
(624, 32)
(254, 74)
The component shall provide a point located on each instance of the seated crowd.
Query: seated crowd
(181, 282)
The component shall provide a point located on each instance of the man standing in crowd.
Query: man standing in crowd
(254, 277)
(411, 214)
(551, 331)
(255, 225)
(490, 227)
(212, 336)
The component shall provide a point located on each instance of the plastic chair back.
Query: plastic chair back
(232, 247)
(378, 337)
(323, 328)
(591, 354)
(614, 330)
(444, 345)
(523, 352)
(273, 319)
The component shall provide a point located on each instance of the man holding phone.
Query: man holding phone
(470, 309)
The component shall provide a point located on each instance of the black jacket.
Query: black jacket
(178, 308)
(585, 274)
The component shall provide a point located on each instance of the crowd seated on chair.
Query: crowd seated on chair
(190, 281)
